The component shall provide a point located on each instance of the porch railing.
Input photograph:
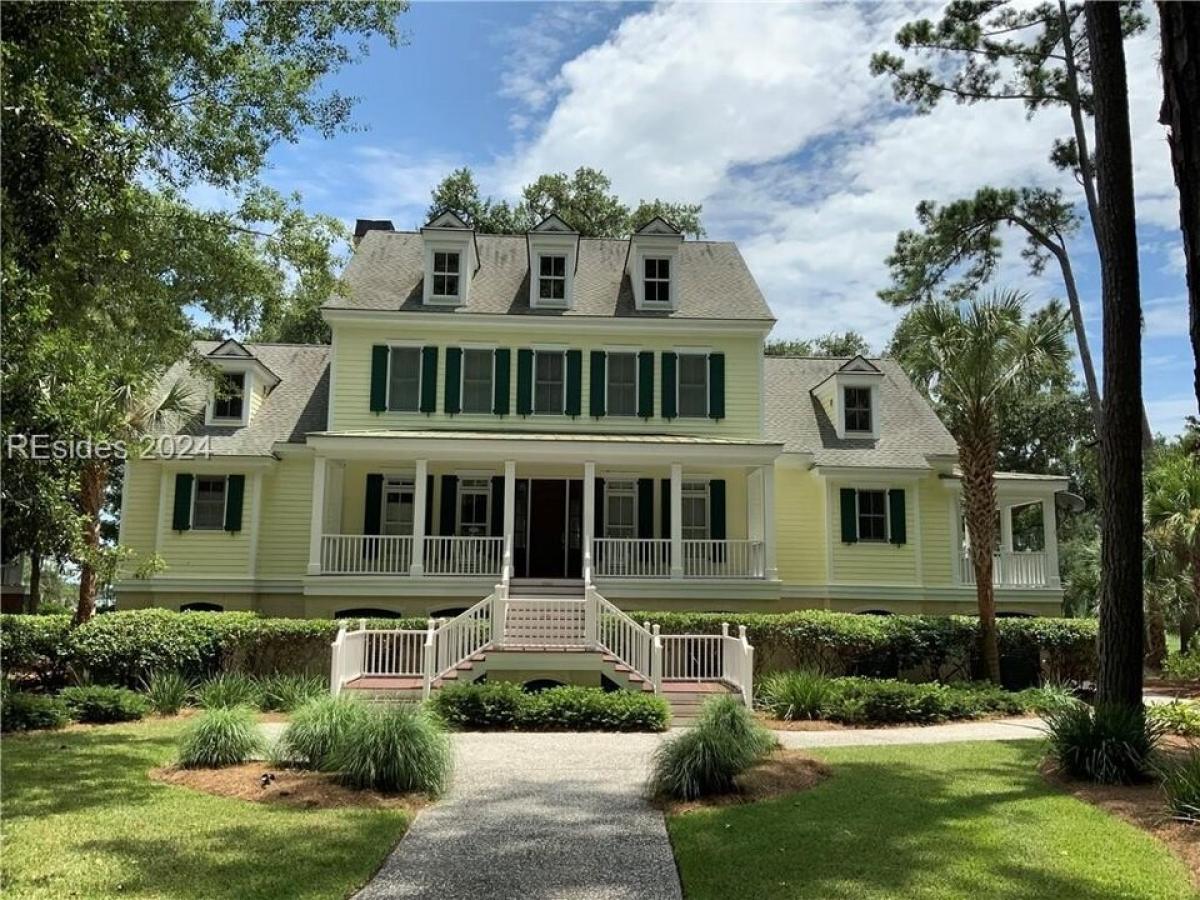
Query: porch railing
(651, 558)
(632, 558)
(723, 559)
(463, 555)
(709, 657)
(1018, 568)
(366, 554)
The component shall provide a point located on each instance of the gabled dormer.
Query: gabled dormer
(241, 384)
(851, 398)
(651, 265)
(451, 260)
(553, 259)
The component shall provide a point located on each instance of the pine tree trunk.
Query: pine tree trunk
(92, 480)
(1156, 631)
(35, 582)
(1179, 24)
(977, 459)
(1122, 632)
(1190, 617)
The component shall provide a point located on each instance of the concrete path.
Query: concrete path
(1022, 729)
(538, 817)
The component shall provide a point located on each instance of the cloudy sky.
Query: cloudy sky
(766, 113)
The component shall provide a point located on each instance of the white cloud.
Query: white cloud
(1165, 316)
(1168, 413)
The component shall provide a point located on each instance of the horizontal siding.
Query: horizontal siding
(286, 519)
(869, 562)
(140, 509)
(208, 554)
(799, 526)
(352, 377)
(937, 532)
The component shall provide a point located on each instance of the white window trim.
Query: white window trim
(629, 488)
(196, 493)
(398, 482)
(487, 518)
(859, 432)
(838, 409)
(446, 299)
(707, 482)
(540, 302)
(405, 345)
(462, 379)
(637, 380)
(561, 351)
(691, 351)
(248, 387)
(670, 280)
(887, 523)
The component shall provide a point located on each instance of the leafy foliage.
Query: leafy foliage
(1177, 717)
(168, 691)
(501, 704)
(1181, 784)
(1109, 744)
(221, 736)
(1185, 666)
(104, 703)
(707, 758)
(492, 704)
(25, 711)
(315, 729)
(393, 747)
(848, 343)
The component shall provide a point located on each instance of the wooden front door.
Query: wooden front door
(547, 528)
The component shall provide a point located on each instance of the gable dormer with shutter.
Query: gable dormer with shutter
(652, 265)
(553, 260)
(851, 398)
(241, 384)
(451, 261)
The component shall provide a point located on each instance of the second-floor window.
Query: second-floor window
(548, 381)
(872, 515)
(229, 395)
(622, 384)
(552, 279)
(404, 379)
(858, 409)
(208, 503)
(477, 381)
(620, 509)
(658, 280)
(693, 384)
(474, 499)
(445, 274)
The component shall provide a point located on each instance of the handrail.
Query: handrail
(620, 636)
(463, 636)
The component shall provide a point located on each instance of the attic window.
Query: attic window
(445, 273)
(858, 409)
(229, 396)
(552, 279)
(658, 280)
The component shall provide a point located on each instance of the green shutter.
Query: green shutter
(665, 503)
(373, 505)
(235, 491)
(452, 402)
(379, 374)
(716, 512)
(449, 504)
(429, 368)
(598, 510)
(181, 517)
(524, 382)
(645, 508)
(598, 383)
(646, 384)
(716, 385)
(500, 388)
(849, 516)
(497, 514)
(574, 385)
(899, 529)
(668, 385)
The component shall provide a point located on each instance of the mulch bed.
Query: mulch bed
(302, 790)
(1173, 687)
(783, 772)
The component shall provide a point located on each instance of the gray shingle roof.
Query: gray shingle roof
(387, 271)
(909, 431)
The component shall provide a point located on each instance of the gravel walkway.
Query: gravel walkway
(952, 732)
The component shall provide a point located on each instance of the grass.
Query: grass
(83, 819)
(947, 821)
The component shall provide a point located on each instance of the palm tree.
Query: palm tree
(1172, 507)
(969, 359)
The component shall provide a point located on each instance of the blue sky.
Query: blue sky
(766, 114)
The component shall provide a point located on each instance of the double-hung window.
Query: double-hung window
(693, 384)
(445, 273)
(208, 503)
(872, 515)
(620, 508)
(398, 499)
(229, 395)
(622, 384)
(477, 372)
(552, 279)
(695, 511)
(549, 377)
(858, 409)
(404, 379)
(658, 281)
(474, 502)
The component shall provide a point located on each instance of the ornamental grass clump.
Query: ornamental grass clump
(229, 689)
(395, 748)
(98, 703)
(1181, 784)
(707, 758)
(316, 728)
(167, 692)
(284, 693)
(791, 696)
(1109, 745)
(221, 736)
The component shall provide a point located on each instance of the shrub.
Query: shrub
(571, 708)
(886, 701)
(23, 711)
(287, 692)
(1176, 717)
(1181, 784)
(495, 704)
(393, 747)
(1051, 697)
(706, 758)
(167, 692)
(229, 689)
(795, 695)
(315, 729)
(1111, 745)
(1183, 666)
(104, 703)
(220, 736)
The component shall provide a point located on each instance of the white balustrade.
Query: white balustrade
(621, 636)
(1019, 568)
(463, 636)
(632, 558)
(365, 554)
(693, 657)
(723, 559)
(461, 555)
(398, 652)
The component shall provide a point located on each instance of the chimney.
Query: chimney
(362, 226)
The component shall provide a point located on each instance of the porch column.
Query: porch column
(589, 518)
(676, 520)
(1006, 537)
(510, 516)
(770, 567)
(317, 515)
(416, 566)
(1050, 541)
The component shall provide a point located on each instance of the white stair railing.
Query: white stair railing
(710, 657)
(346, 661)
(395, 652)
(620, 636)
(463, 636)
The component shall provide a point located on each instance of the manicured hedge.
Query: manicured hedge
(568, 708)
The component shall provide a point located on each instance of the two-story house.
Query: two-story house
(547, 414)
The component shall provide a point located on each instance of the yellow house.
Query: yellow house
(544, 415)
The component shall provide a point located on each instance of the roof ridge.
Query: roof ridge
(263, 343)
(521, 235)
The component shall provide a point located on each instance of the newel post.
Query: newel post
(335, 663)
(656, 660)
(747, 667)
(591, 617)
(429, 657)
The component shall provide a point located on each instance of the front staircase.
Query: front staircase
(543, 628)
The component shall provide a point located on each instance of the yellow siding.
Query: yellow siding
(799, 526)
(208, 554)
(937, 532)
(869, 562)
(140, 509)
(286, 518)
(352, 379)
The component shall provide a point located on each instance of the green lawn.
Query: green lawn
(82, 819)
(955, 820)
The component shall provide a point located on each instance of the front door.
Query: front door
(547, 528)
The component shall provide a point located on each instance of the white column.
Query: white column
(510, 516)
(589, 518)
(1050, 539)
(754, 510)
(416, 566)
(676, 520)
(317, 515)
(770, 566)
(1006, 537)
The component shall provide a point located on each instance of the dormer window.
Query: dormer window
(857, 404)
(229, 396)
(553, 248)
(445, 275)
(552, 279)
(658, 281)
(451, 261)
